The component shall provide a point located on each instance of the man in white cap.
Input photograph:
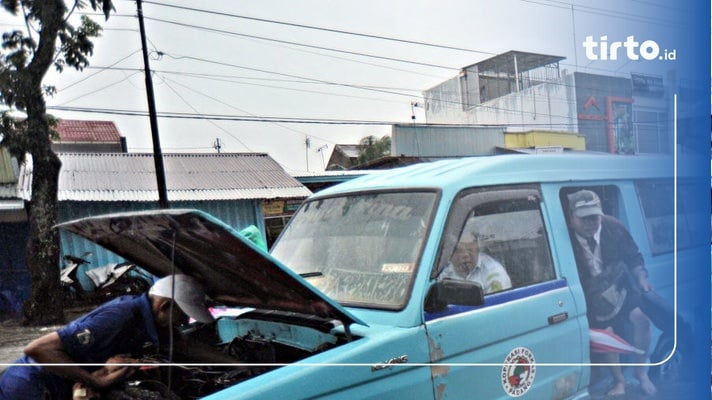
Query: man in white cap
(603, 248)
(126, 326)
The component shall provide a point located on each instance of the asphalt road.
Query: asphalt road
(14, 337)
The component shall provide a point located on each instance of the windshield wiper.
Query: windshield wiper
(311, 274)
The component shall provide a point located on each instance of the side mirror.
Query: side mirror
(452, 291)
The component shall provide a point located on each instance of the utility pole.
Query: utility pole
(307, 143)
(157, 154)
(321, 150)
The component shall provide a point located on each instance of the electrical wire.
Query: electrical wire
(440, 46)
(454, 103)
(302, 90)
(302, 44)
(237, 108)
(315, 121)
(99, 89)
(211, 122)
(603, 12)
(353, 86)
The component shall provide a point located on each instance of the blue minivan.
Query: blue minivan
(351, 302)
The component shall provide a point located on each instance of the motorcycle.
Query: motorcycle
(107, 282)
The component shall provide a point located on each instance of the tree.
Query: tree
(24, 62)
(370, 148)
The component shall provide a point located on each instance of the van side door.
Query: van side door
(529, 316)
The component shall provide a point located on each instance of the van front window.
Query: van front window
(361, 250)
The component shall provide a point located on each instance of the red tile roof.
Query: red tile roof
(87, 131)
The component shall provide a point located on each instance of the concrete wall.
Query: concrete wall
(445, 141)
(549, 106)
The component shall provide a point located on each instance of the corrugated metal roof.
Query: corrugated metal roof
(87, 131)
(8, 167)
(9, 171)
(350, 150)
(525, 61)
(131, 177)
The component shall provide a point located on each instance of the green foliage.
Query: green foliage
(24, 61)
(370, 148)
(25, 58)
(77, 44)
(11, 6)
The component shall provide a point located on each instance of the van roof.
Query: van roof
(508, 169)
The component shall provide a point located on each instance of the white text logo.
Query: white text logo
(647, 50)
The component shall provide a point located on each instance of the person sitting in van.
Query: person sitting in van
(604, 249)
(469, 263)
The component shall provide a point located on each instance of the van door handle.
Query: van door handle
(560, 317)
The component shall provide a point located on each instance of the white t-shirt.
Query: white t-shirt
(488, 272)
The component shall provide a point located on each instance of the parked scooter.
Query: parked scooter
(108, 282)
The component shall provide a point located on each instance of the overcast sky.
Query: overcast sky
(213, 64)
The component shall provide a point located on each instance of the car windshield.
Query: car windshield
(361, 250)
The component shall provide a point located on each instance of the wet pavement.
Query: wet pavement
(680, 389)
(14, 337)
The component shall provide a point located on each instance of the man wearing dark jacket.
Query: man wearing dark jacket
(612, 272)
(124, 326)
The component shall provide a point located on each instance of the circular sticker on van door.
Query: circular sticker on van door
(518, 371)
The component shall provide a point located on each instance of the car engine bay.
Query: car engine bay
(257, 341)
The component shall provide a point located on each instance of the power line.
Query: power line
(100, 89)
(222, 117)
(237, 108)
(288, 120)
(100, 71)
(302, 44)
(211, 122)
(349, 85)
(445, 103)
(288, 75)
(366, 35)
(601, 12)
(304, 90)
(229, 78)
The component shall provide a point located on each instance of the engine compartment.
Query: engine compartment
(257, 341)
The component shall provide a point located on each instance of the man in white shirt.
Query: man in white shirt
(468, 263)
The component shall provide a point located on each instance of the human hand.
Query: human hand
(644, 284)
(81, 392)
(114, 371)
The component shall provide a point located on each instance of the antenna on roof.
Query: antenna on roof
(413, 105)
(321, 150)
(217, 145)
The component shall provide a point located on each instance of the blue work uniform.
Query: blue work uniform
(124, 325)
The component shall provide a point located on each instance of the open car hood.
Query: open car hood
(233, 270)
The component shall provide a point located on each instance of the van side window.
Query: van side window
(502, 230)
(657, 201)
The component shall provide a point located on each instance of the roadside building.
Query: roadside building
(238, 188)
(13, 238)
(417, 143)
(88, 136)
(316, 181)
(344, 156)
(528, 91)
